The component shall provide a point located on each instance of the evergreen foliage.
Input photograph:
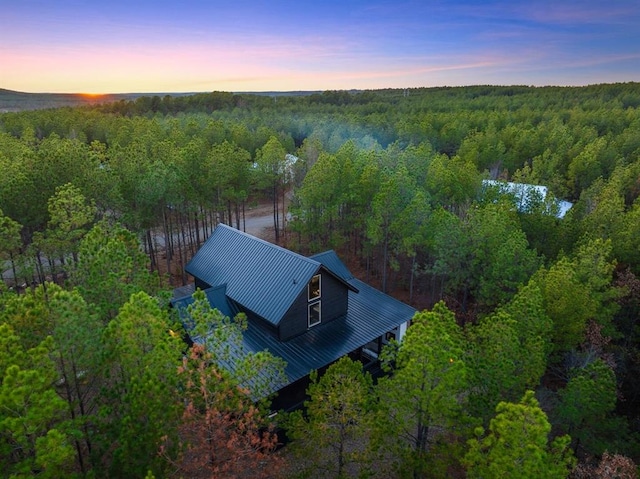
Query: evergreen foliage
(96, 201)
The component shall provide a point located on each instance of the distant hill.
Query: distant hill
(18, 101)
(284, 93)
(11, 101)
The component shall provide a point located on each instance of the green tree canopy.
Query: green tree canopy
(422, 398)
(34, 438)
(332, 436)
(140, 401)
(501, 364)
(111, 267)
(517, 445)
(586, 406)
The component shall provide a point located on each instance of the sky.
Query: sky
(159, 46)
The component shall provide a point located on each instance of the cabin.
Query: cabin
(524, 194)
(310, 311)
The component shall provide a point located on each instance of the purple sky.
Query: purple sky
(121, 46)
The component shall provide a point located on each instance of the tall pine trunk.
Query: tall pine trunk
(275, 211)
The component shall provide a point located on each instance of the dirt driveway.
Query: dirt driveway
(259, 221)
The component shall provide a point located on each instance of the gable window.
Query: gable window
(313, 288)
(313, 296)
(314, 313)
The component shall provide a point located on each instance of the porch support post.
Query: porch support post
(402, 330)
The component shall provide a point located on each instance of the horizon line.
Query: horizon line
(178, 92)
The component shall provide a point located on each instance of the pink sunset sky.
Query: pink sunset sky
(191, 46)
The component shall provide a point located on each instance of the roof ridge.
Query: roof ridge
(272, 245)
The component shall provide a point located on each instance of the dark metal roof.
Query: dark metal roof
(217, 299)
(370, 315)
(264, 278)
(329, 259)
(182, 291)
(260, 276)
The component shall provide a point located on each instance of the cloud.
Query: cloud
(598, 60)
(584, 12)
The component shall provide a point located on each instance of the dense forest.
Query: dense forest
(523, 362)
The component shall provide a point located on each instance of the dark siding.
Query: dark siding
(260, 326)
(294, 322)
(334, 304)
(335, 298)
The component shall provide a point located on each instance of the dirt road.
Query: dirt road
(259, 221)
